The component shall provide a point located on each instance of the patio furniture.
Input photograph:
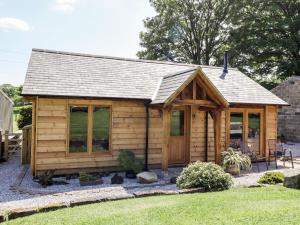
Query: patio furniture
(255, 158)
(276, 150)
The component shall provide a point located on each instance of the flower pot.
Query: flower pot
(233, 170)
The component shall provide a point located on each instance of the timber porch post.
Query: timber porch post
(166, 112)
(216, 115)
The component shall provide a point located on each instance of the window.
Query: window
(78, 129)
(177, 123)
(236, 129)
(89, 129)
(254, 131)
(246, 126)
(101, 122)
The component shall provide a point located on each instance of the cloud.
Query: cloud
(14, 24)
(65, 6)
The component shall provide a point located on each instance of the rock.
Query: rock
(117, 179)
(146, 177)
(292, 182)
(173, 180)
(130, 174)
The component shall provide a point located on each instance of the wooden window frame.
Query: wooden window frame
(245, 112)
(89, 151)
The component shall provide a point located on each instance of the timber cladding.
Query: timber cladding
(127, 131)
(128, 123)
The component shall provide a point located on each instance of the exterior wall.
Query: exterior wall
(6, 113)
(127, 132)
(198, 136)
(289, 116)
(271, 124)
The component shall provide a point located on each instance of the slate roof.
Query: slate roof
(56, 73)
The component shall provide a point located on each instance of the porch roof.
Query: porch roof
(56, 73)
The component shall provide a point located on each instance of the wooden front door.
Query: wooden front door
(178, 145)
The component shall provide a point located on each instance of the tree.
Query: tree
(265, 38)
(192, 31)
(14, 93)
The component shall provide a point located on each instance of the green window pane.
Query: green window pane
(236, 129)
(78, 128)
(101, 118)
(177, 123)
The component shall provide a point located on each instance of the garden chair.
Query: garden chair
(276, 150)
(255, 158)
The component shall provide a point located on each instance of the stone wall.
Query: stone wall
(289, 116)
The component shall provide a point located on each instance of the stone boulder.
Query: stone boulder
(292, 182)
(173, 180)
(117, 179)
(146, 177)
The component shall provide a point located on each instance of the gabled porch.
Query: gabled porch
(181, 112)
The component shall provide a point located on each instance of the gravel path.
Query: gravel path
(68, 194)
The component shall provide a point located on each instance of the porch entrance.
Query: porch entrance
(178, 146)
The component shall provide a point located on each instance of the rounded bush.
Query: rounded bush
(208, 176)
(271, 178)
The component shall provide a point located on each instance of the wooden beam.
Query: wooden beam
(216, 115)
(166, 137)
(194, 89)
(197, 102)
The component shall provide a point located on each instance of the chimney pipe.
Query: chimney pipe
(225, 62)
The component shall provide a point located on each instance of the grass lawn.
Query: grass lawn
(270, 205)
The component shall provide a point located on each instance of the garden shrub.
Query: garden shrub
(271, 178)
(25, 117)
(129, 162)
(208, 176)
(86, 177)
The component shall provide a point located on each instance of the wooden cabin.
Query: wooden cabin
(86, 108)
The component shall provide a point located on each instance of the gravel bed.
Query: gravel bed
(68, 194)
(250, 179)
(8, 173)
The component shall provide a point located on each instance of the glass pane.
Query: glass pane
(236, 129)
(78, 129)
(177, 123)
(254, 131)
(101, 118)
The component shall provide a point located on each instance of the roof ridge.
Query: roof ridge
(125, 59)
(111, 57)
(179, 73)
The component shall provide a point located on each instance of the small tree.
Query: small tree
(25, 117)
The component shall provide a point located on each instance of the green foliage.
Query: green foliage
(235, 158)
(209, 176)
(262, 37)
(86, 177)
(25, 117)
(128, 161)
(265, 38)
(271, 178)
(14, 93)
(186, 31)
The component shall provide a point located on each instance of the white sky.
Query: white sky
(104, 27)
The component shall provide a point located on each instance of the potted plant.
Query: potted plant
(233, 161)
(130, 163)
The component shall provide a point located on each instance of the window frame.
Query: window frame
(245, 112)
(89, 151)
